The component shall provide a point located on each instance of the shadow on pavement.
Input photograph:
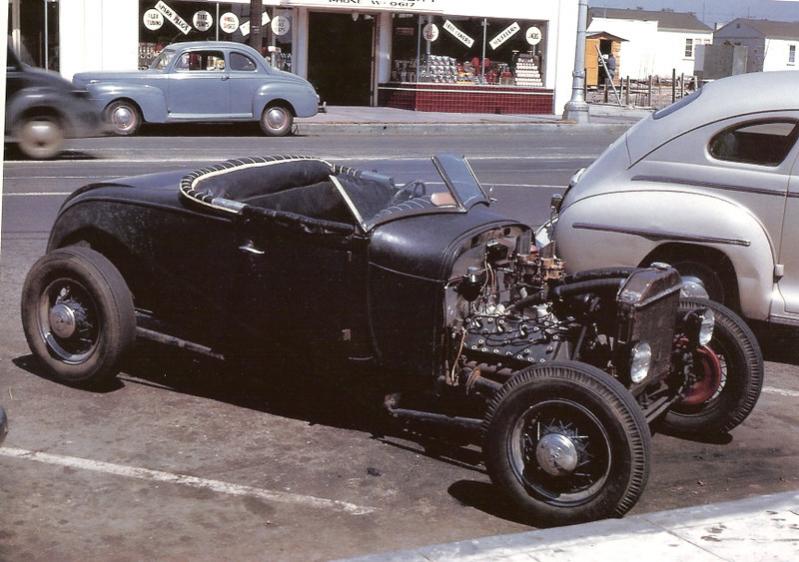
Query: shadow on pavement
(12, 153)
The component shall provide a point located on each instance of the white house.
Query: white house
(657, 41)
(771, 45)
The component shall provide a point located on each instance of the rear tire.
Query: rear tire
(566, 443)
(740, 380)
(78, 315)
(276, 121)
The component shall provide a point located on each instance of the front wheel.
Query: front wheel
(276, 121)
(124, 118)
(729, 377)
(40, 136)
(566, 443)
(78, 315)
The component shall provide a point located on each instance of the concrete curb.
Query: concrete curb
(631, 537)
(442, 128)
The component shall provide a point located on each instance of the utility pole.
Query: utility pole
(256, 9)
(577, 108)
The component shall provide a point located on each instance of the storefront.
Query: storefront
(498, 56)
(33, 31)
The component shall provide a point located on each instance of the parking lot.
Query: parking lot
(187, 458)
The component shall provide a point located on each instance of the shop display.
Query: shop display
(527, 72)
(147, 53)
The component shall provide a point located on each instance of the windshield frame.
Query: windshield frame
(163, 54)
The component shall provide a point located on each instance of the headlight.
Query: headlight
(640, 359)
(706, 329)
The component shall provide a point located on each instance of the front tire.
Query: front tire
(731, 381)
(124, 117)
(78, 315)
(276, 121)
(40, 137)
(566, 443)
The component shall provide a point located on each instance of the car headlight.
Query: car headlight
(706, 328)
(640, 360)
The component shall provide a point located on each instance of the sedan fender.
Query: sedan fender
(151, 100)
(590, 232)
(68, 109)
(301, 97)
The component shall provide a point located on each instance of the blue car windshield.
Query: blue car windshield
(163, 59)
(375, 199)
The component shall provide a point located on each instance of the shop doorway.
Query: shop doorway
(340, 57)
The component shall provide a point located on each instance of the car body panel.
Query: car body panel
(659, 186)
(175, 94)
(30, 89)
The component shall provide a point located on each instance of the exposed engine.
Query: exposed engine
(510, 306)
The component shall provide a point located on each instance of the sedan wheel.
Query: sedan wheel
(40, 137)
(276, 121)
(123, 117)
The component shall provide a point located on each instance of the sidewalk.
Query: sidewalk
(751, 530)
(354, 120)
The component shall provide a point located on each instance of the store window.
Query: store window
(213, 21)
(467, 50)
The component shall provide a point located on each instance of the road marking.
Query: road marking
(36, 193)
(185, 480)
(387, 158)
(781, 391)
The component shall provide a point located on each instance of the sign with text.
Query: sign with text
(436, 6)
(458, 34)
(153, 19)
(202, 20)
(504, 35)
(533, 35)
(229, 22)
(173, 17)
(430, 32)
(281, 25)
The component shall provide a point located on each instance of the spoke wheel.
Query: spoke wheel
(729, 372)
(566, 443)
(78, 315)
(40, 137)
(276, 121)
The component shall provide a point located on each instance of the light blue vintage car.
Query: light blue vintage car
(202, 81)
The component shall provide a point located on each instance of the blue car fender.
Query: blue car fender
(302, 98)
(151, 100)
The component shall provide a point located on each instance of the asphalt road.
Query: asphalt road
(184, 459)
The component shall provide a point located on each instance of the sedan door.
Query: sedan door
(199, 87)
(246, 76)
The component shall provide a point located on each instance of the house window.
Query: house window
(689, 48)
(791, 54)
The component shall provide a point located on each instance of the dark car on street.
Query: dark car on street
(43, 109)
(463, 319)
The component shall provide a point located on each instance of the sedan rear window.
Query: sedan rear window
(766, 143)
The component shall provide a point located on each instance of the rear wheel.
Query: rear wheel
(566, 443)
(78, 315)
(124, 117)
(276, 121)
(40, 136)
(730, 376)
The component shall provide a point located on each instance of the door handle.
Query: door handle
(251, 248)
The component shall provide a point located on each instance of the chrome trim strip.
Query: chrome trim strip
(662, 235)
(711, 185)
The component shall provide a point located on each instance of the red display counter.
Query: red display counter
(455, 98)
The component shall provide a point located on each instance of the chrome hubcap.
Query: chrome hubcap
(40, 137)
(276, 118)
(62, 321)
(556, 454)
(123, 118)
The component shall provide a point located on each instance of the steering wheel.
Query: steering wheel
(409, 191)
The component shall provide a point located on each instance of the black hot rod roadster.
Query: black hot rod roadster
(477, 328)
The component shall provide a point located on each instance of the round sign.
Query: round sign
(280, 25)
(229, 22)
(203, 20)
(153, 19)
(533, 35)
(430, 32)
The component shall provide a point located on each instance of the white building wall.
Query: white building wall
(776, 56)
(745, 36)
(670, 52)
(98, 35)
(639, 51)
